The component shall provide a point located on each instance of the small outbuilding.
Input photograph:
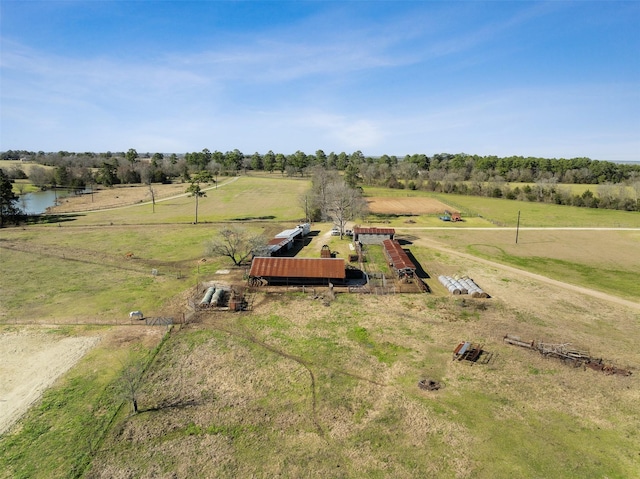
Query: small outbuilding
(372, 235)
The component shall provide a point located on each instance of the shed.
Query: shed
(278, 245)
(398, 258)
(372, 235)
(298, 270)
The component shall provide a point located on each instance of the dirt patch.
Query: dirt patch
(407, 206)
(31, 362)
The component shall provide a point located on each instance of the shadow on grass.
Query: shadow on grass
(254, 218)
(51, 219)
(420, 272)
(171, 404)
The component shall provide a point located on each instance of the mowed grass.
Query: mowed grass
(502, 212)
(479, 211)
(81, 274)
(242, 198)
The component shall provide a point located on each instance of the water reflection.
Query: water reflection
(37, 202)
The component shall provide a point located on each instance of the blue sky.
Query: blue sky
(553, 79)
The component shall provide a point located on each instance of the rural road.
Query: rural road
(571, 287)
(513, 228)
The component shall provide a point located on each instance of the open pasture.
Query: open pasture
(503, 212)
(302, 388)
(242, 198)
(603, 260)
(479, 211)
(298, 389)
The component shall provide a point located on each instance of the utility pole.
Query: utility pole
(518, 227)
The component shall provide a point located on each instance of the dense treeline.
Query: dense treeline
(616, 185)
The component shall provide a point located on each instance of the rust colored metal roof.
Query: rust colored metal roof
(297, 268)
(373, 231)
(278, 241)
(398, 256)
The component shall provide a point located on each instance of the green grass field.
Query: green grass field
(479, 211)
(300, 388)
(241, 199)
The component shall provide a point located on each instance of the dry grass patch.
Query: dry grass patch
(407, 206)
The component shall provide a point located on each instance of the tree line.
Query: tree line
(443, 172)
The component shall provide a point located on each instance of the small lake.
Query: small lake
(37, 202)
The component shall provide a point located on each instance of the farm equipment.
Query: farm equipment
(449, 216)
(472, 352)
(574, 357)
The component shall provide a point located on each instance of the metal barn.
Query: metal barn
(297, 271)
(398, 259)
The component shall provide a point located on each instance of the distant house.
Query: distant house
(372, 235)
(294, 271)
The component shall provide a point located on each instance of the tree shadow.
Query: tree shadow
(50, 219)
(254, 218)
(175, 403)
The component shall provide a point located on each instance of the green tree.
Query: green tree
(269, 161)
(321, 158)
(351, 174)
(195, 189)
(332, 160)
(298, 162)
(9, 210)
(131, 156)
(342, 161)
(156, 159)
(256, 161)
(281, 162)
(233, 160)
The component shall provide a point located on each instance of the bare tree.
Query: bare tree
(344, 204)
(152, 192)
(129, 382)
(316, 203)
(236, 243)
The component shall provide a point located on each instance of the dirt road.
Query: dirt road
(31, 362)
(579, 289)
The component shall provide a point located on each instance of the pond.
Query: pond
(37, 202)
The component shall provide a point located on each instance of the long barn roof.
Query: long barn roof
(397, 255)
(358, 230)
(297, 268)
